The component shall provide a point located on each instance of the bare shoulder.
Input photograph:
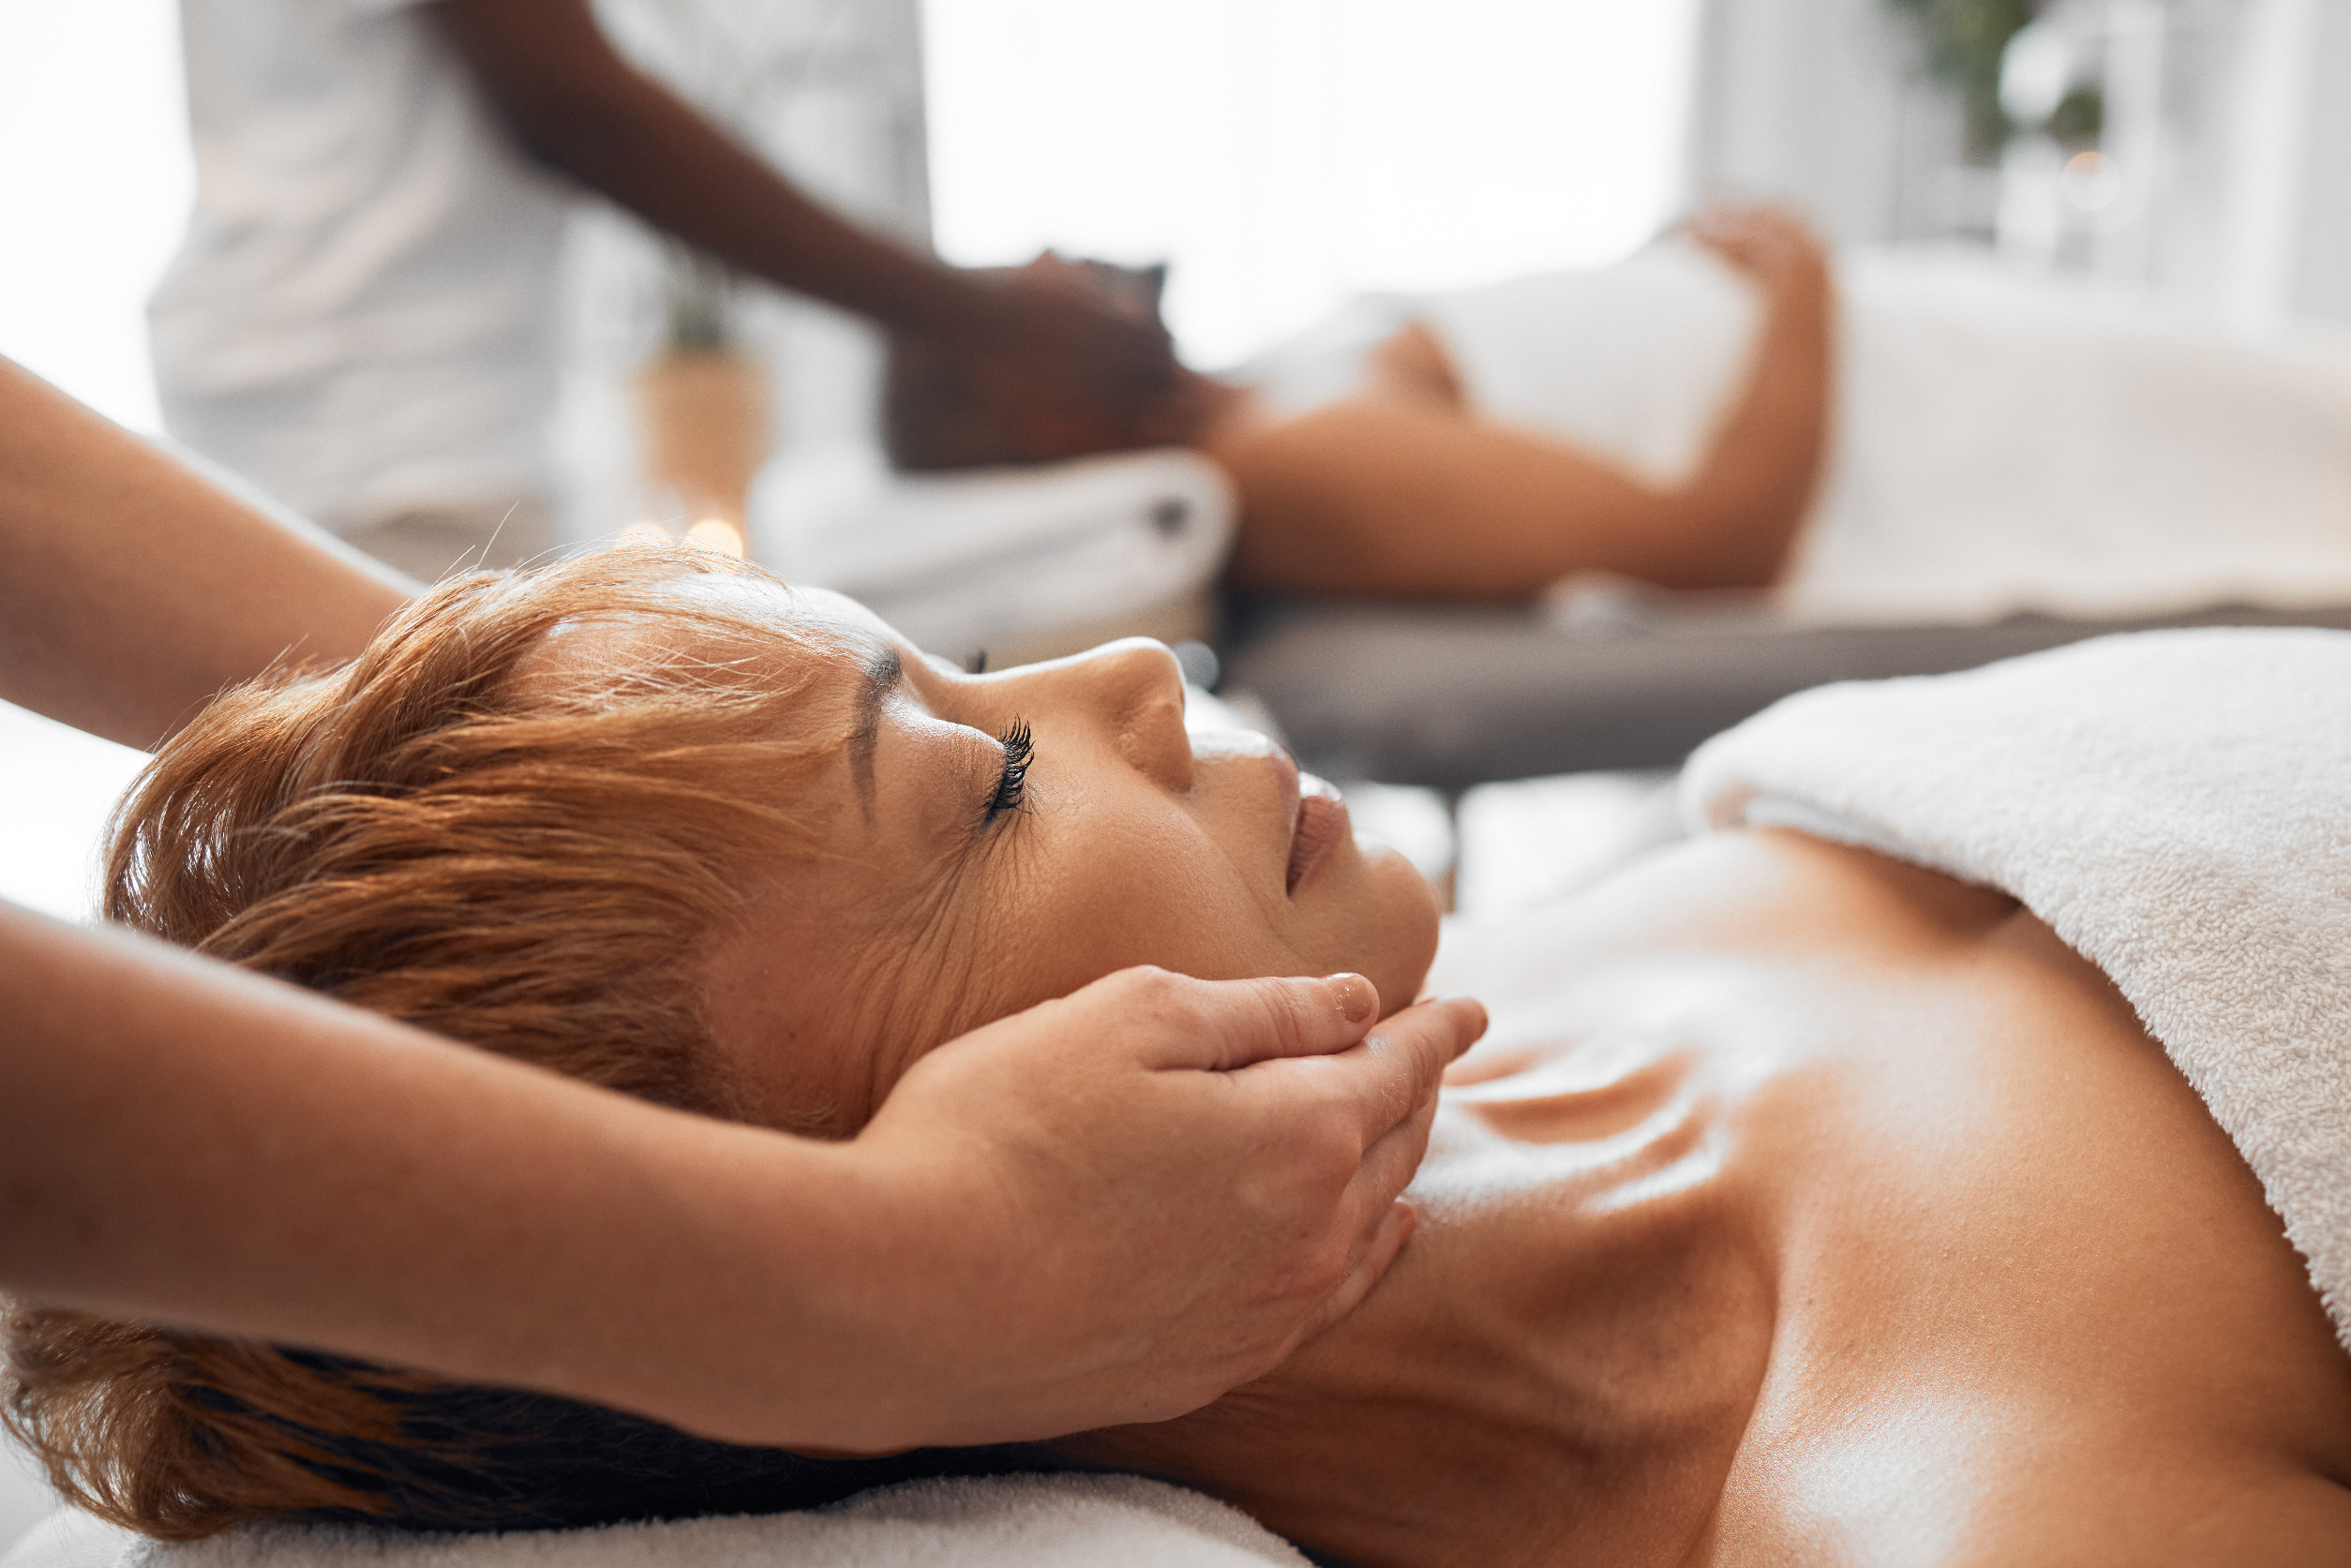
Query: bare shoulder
(2046, 1314)
(2150, 1513)
(2223, 1512)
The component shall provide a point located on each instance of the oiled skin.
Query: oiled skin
(1829, 1211)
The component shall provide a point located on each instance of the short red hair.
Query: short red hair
(442, 831)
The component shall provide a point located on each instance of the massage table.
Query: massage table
(1450, 697)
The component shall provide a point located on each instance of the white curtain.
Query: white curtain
(1285, 154)
(95, 178)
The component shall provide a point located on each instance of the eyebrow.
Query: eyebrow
(883, 672)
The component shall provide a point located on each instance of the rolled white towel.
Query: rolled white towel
(1017, 1521)
(2175, 805)
(1000, 557)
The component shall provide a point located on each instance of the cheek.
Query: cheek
(1147, 889)
(825, 994)
(786, 1031)
(1157, 889)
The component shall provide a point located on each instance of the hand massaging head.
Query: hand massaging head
(945, 408)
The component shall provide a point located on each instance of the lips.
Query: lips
(1318, 817)
(1318, 825)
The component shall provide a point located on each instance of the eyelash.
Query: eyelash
(1012, 785)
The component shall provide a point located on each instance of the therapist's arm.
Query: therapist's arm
(132, 588)
(575, 105)
(1090, 1213)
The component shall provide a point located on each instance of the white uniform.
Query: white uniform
(362, 317)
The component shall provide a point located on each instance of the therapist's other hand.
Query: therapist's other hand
(1070, 367)
(1081, 335)
(1123, 1203)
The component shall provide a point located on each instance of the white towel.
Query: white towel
(998, 558)
(1022, 1521)
(2176, 806)
(1638, 362)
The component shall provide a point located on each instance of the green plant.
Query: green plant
(2079, 118)
(1964, 41)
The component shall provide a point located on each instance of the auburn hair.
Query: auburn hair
(466, 830)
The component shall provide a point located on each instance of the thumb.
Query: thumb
(1175, 1021)
(1263, 1020)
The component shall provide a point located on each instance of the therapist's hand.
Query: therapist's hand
(1065, 365)
(1115, 1206)
(1075, 342)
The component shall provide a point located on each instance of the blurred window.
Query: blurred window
(95, 184)
(1286, 153)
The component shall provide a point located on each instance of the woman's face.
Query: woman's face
(992, 841)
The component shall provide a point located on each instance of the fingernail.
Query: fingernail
(1359, 998)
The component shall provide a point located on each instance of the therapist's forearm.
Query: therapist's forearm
(189, 1144)
(1110, 1208)
(575, 105)
(132, 588)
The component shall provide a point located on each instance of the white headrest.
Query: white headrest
(996, 557)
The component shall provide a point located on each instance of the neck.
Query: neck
(1538, 1378)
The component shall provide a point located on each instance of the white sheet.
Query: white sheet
(2002, 446)
(1998, 444)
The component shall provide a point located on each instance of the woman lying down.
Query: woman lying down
(1810, 1206)
(1869, 436)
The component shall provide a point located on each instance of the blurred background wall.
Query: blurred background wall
(1829, 103)
(1284, 156)
(95, 183)
(2221, 170)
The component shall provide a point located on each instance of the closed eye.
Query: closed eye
(1011, 784)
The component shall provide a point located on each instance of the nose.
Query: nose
(1135, 688)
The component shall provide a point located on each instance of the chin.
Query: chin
(1395, 918)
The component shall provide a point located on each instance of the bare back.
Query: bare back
(1808, 1208)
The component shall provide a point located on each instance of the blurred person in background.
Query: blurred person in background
(363, 317)
(1866, 437)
